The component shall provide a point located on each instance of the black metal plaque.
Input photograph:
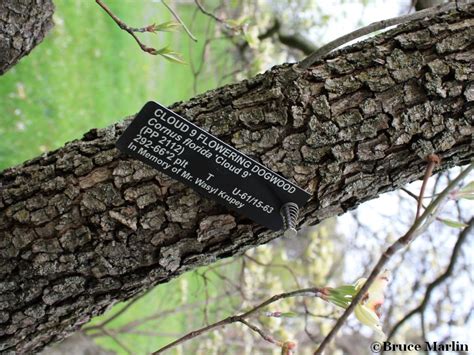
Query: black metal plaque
(185, 152)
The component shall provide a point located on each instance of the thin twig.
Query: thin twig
(447, 273)
(423, 330)
(292, 40)
(130, 30)
(376, 26)
(210, 14)
(264, 335)
(137, 332)
(433, 160)
(117, 340)
(401, 243)
(314, 291)
(118, 314)
(283, 266)
(206, 300)
(176, 16)
(164, 313)
(411, 194)
(197, 71)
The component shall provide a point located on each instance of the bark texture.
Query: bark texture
(23, 25)
(85, 226)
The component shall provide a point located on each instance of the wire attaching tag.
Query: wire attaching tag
(289, 213)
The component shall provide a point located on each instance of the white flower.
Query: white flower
(368, 309)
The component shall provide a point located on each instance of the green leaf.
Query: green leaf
(467, 191)
(169, 26)
(237, 22)
(469, 188)
(453, 224)
(339, 300)
(232, 23)
(251, 36)
(345, 289)
(169, 54)
(174, 57)
(288, 314)
(338, 303)
(164, 50)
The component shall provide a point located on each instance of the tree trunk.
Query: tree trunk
(85, 226)
(23, 25)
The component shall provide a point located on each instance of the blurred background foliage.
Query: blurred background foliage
(88, 73)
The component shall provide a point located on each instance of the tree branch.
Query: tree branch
(443, 277)
(85, 226)
(313, 291)
(402, 242)
(433, 160)
(116, 315)
(23, 25)
(294, 40)
(130, 30)
(210, 14)
(176, 16)
(376, 26)
(117, 340)
(259, 331)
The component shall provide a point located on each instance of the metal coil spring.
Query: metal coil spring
(289, 213)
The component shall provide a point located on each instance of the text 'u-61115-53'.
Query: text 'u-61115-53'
(187, 153)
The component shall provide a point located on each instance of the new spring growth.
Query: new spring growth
(278, 314)
(368, 309)
(288, 348)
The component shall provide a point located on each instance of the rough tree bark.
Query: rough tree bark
(85, 226)
(23, 25)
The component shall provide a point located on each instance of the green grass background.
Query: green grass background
(88, 73)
